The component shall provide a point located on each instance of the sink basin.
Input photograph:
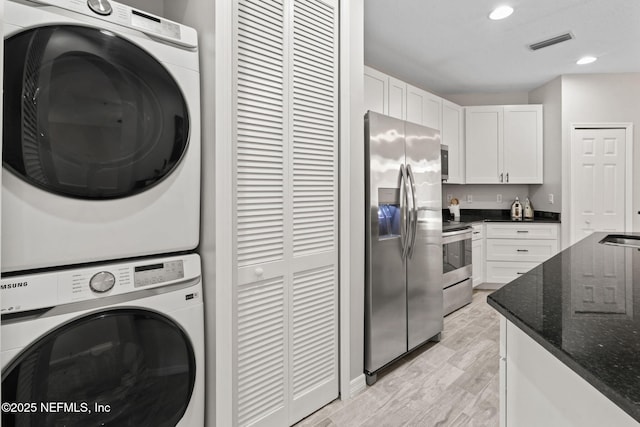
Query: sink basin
(622, 240)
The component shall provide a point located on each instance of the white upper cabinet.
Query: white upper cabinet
(376, 91)
(452, 136)
(397, 99)
(503, 144)
(424, 108)
(387, 95)
(523, 144)
(483, 141)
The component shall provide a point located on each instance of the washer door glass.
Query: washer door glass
(89, 114)
(114, 368)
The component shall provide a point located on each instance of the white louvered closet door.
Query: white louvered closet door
(286, 294)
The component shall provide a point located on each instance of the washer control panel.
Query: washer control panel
(102, 282)
(152, 274)
(101, 7)
(53, 288)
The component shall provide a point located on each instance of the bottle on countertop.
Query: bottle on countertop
(516, 210)
(528, 210)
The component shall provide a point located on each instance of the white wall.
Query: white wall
(484, 196)
(600, 98)
(550, 96)
(352, 181)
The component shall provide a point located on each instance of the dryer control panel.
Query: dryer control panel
(55, 288)
(124, 15)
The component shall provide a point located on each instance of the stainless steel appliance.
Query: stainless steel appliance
(457, 268)
(444, 162)
(403, 291)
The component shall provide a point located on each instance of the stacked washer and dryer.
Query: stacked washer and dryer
(102, 309)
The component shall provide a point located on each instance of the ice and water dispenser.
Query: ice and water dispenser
(389, 217)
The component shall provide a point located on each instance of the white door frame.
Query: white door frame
(628, 213)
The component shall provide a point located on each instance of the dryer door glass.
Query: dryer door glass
(89, 114)
(113, 368)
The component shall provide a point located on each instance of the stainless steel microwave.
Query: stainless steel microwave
(444, 158)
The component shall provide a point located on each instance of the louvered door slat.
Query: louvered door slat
(314, 173)
(314, 329)
(261, 365)
(260, 130)
(314, 350)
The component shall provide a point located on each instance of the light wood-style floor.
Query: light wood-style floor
(450, 383)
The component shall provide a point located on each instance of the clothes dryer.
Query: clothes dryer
(101, 134)
(106, 344)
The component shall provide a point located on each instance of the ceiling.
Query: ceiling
(451, 47)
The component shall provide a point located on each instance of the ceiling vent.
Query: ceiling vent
(550, 42)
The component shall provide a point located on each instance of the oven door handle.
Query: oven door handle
(404, 200)
(456, 236)
(413, 215)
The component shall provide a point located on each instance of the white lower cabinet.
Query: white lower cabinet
(512, 249)
(506, 271)
(477, 254)
(537, 389)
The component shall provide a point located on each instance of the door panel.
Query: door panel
(424, 263)
(385, 291)
(598, 181)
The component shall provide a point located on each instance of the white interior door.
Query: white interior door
(598, 181)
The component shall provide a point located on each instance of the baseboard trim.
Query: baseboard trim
(357, 385)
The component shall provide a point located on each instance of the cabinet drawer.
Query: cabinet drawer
(520, 249)
(522, 231)
(506, 271)
(477, 231)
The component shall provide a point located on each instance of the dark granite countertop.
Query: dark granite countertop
(583, 306)
(469, 216)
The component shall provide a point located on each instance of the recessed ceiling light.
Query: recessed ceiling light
(586, 60)
(501, 12)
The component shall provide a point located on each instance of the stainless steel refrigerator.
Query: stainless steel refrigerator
(403, 291)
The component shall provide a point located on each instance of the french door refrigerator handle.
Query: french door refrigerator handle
(413, 224)
(404, 197)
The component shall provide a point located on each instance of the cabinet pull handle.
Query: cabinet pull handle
(519, 273)
(522, 231)
(507, 176)
(501, 176)
(476, 232)
(523, 250)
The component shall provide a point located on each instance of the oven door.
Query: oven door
(456, 256)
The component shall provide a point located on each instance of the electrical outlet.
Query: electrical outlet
(499, 198)
(551, 198)
(449, 197)
(469, 198)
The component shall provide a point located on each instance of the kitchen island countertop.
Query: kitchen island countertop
(583, 306)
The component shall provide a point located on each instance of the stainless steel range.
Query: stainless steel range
(457, 268)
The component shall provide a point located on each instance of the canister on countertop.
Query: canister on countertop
(528, 210)
(516, 210)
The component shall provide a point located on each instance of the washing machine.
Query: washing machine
(108, 344)
(101, 134)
